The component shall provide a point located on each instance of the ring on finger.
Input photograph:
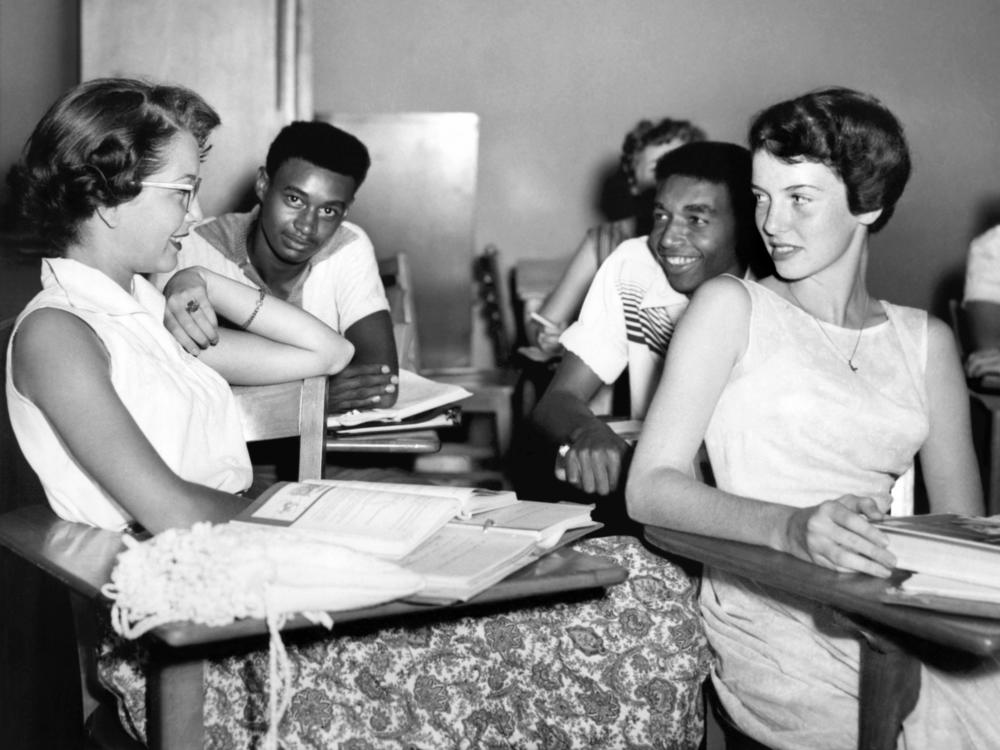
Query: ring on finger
(192, 306)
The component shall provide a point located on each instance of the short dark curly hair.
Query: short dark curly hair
(649, 133)
(322, 144)
(852, 133)
(95, 145)
(723, 164)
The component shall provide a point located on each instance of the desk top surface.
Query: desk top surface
(853, 593)
(82, 558)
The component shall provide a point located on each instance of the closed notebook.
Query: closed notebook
(963, 548)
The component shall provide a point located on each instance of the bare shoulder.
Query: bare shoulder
(725, 294)
(46, 341)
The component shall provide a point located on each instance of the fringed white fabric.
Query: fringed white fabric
(216, 574)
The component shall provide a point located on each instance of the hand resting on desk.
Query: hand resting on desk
(837, 534)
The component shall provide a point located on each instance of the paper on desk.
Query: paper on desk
(417, 395)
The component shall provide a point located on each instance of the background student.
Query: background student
(981, 304)
(702, 227)
(812, 398)
(297, 245)
(641, 149)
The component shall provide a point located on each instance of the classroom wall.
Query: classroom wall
(39, 59)
(556, 84)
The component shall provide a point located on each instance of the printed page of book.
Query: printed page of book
(417, 394)
(545, 522)
(472, 499)
(460, 561)
(377, 521)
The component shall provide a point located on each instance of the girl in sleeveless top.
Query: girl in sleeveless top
(812, 398)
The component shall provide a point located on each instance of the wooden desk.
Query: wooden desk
(991, 403)
(890, 634)
(82, 558)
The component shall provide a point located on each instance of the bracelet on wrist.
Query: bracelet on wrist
(256, 309)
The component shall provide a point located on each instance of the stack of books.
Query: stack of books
(461, 540)
(422, 404)
(954, 562)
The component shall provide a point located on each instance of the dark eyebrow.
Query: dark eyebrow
(702, 208)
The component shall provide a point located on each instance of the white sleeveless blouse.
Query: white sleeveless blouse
(183, 407)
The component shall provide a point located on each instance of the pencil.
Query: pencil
(544, 321)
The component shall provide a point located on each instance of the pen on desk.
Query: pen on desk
(544, 321)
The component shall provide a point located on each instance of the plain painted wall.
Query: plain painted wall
(556, 84)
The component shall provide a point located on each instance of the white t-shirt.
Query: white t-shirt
(340, 286)
(183, 407)
(982, 271)
(627, 319)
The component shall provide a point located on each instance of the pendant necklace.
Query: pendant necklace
(857, 343)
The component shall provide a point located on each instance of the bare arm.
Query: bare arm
(371, 379)
(281, 342)
(948, 458)
(85, 411)
(597, 455)
(563, 303)
(703, 351)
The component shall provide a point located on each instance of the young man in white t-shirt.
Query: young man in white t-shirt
(703, 226)
(297, 246)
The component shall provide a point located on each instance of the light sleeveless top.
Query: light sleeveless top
(183, 407)
(796, 426)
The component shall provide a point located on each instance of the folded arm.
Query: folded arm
(280, 342)
(371, 379)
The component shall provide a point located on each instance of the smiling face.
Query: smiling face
(155, 220)
(694, 232)
(803, 216)
(301, 208)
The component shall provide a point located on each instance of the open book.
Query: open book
(469, 555)
(417, 395)
(460, 539)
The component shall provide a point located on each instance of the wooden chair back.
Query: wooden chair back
(396, 278)
(293, 409)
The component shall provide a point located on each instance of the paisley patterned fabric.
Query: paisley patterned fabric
(623, 670)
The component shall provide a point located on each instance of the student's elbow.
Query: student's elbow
(338, 355)
(648, 493)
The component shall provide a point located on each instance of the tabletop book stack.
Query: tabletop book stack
(460, 539)
(422, 404)
(954, 562)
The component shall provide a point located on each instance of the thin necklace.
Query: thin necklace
(857, 343)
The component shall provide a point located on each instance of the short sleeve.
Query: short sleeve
(982, 270)
(598, 337)
(348, 279)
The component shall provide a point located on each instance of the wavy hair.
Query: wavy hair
(94, 146)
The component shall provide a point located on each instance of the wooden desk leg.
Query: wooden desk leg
(993, 498)
(175, 699)
(890, 685)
